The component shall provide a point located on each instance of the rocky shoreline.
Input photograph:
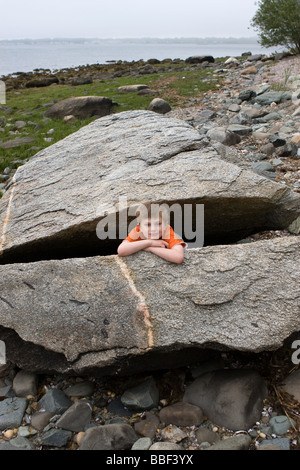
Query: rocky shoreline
(157, 411)
(257, 127)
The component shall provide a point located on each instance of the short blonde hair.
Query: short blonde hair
(153, 210)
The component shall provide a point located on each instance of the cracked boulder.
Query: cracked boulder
(68, 303)
(56, 199)
(111, 314)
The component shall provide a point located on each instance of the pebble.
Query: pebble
(165, 446)
(281, 424)
(144, 443)
(11, 412)
(80, 389)
(25, 384)
(55, 401)
(144, 396)
(181, 414)
(173, 434)
(56, 438)
(76, 417)
(239, 442)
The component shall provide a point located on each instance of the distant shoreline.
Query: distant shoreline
(27, 55)
(145, 40)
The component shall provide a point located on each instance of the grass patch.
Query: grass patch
(30, 104)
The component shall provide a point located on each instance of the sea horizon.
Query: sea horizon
(26, 55)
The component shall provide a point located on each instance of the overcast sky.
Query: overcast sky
(125, 18)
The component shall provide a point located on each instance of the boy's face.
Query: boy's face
(152, 228)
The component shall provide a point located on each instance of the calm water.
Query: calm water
(27, 56)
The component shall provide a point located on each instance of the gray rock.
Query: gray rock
(142, 397)
(25, 384)
(17, 142)
(268, 98)
(165, 446)
(11, 412)
(264, 169)
(18, 443)
(20, 124)
(160, 106)
(40, 419)
(206, 435)
(144, 443)
(206, 115)
(76, 417)
(81, 107)
(80, 389)
(181, 414)
(52, 208)
(263, 166)
(282, 443)
(6, 391)
(254, 58)
(268, 149)
(224, 136)
(132, 88)
(229, 398)
(109, 437)
(277, 140)
(281, 424)
(41, 82)
(246, 95)
(239, 129)
(148, 425)
(239, 442)
(291, 384)
(55, 401)
(164, 154)
(269, 117)
(234, 108)
(55, 438)
(81, 81)
(199, 59)
(115, 406)
(266, 272)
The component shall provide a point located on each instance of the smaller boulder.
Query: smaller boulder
(224, 136)
(41, 82)
(132, 88)
(198, 59)
(181, 414)
(81, 107)
(230, 398)
(118, 436)
(142, 397)
(160, 106)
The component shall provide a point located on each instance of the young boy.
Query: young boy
(153, 234)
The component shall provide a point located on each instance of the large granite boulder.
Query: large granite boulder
(108, 313)
(69, 303)
(56, 200)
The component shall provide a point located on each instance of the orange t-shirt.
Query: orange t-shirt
(172, 241)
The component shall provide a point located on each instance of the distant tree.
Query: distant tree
(278, 23)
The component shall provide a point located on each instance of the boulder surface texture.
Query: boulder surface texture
(68, 303)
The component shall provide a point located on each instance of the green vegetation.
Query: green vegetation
(30, 104)
(278, 23)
